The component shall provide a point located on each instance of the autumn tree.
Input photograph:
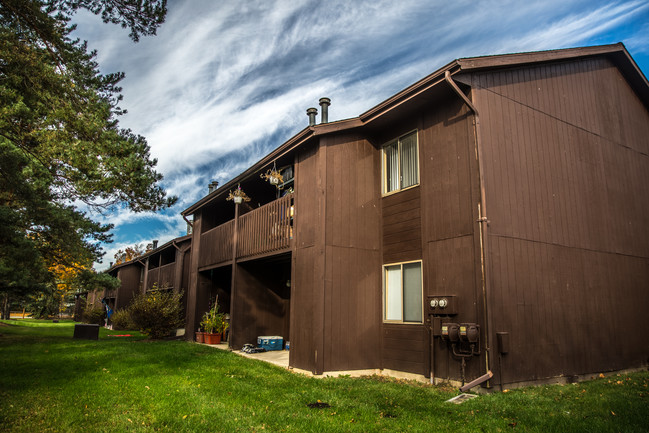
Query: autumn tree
(62, 152)
(132, 252)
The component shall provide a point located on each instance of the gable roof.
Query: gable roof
(424, 89)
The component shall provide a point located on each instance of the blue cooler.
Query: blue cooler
(270, 342)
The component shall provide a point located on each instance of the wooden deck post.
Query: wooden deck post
(235, 233)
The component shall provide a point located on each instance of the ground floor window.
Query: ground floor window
(402, 292)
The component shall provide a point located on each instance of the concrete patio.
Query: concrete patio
(280, 358)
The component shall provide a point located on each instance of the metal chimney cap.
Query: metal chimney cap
(312, 112)
(324, 101)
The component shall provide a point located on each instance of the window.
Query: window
(402, 292)
(400, 163)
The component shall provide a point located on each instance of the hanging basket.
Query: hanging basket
(238, 196)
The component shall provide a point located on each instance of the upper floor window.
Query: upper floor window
(401, 163)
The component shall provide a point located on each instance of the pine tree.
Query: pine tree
(61, 146)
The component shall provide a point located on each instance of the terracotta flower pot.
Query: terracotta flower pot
(212, 338)
(200, 337)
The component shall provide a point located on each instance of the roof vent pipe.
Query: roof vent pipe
(312, 113)
(111, 264)
(155, 243)
(324, 105)
(212, 186)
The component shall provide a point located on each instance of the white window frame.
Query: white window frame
(398, 140)
(385, 291)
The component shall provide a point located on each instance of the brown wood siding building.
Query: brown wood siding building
(529, 212)
(164, 267)
(130, 276)
(566, 148)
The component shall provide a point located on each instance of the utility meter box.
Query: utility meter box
(469, 332)
(442, 305)
(451, 332)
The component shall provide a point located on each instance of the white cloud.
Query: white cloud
(227, 78)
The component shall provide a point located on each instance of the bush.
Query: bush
(95, 314)
(157, 313)
(121, 320)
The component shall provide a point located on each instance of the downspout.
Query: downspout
(482, 219)
(190, 223)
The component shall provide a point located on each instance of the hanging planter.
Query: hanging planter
(273, 176)
(238, 196)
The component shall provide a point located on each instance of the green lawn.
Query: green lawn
(51, 382)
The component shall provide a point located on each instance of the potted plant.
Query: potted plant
(224, 326)
(200, 336)
(211, 323)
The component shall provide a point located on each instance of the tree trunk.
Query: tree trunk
(5, 307)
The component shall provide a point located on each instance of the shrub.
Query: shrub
(157, 313)
(121, 319)
(94, 313)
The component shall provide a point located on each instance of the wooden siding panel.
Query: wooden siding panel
(451, 271)
(352, 285)
(445, 145)
(550, 181)
(562, 152)
(563, 309)
(402, 226)
(404, 347)
(352, 309)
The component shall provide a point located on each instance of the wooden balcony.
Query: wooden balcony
(264, 230)
(216, 245)
(163, 275)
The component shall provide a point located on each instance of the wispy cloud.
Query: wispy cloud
(222, 84)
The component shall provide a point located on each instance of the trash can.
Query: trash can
(86, 331)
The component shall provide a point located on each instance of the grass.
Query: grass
(50, 382)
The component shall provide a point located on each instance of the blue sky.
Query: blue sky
(224, 83)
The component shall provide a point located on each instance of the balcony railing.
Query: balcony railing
(265, 229)
(163, 275)
(268, 228)
(216, 245)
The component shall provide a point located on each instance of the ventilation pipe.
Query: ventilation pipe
(312, 113)
(111, 264)
(155, 243)
(212, 187)
(324, 105)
